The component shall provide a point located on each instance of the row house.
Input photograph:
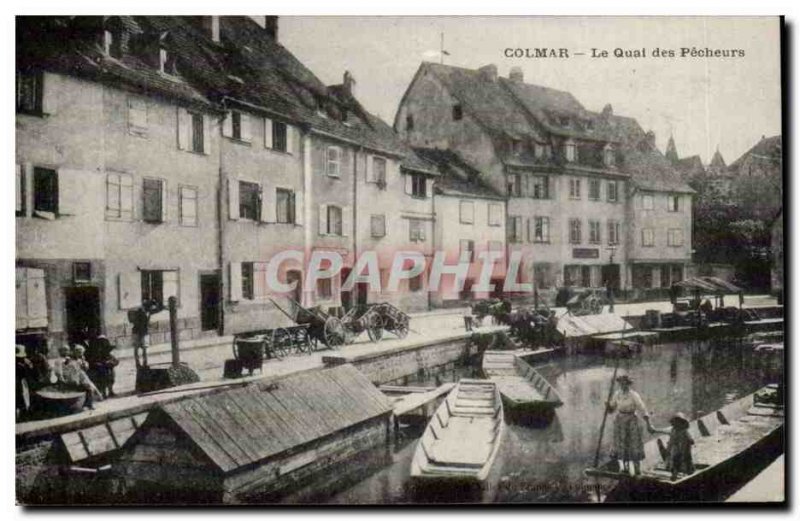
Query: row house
(176, 156)
(568, 174)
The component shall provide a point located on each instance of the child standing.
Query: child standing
(679, 447)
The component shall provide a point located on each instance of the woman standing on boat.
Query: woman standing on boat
(628, 442)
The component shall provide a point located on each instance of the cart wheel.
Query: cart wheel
(304, 341)
(375, 328)
(278, 342)
(401, 327)
(334, 332)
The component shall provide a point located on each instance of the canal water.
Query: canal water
(546, 464)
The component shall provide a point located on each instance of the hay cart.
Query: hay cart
(319, 326)
(393, 320)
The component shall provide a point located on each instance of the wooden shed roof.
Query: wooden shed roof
(245, 425)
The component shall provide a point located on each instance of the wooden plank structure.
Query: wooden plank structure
(736, 436)
(419, 405)
(232, 443)
(526, 394)
(463, 437)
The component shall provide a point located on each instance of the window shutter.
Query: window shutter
(164, 202)
(233, 198)
(36, 299)
(235, 272)
(22, 298)
(244, 126)
(421, 229)
(70, 191)
(267, 133)
(227, 125)
(518, 230)
(269, 203)
(409, 184)
(206, 134)
(323, 219)
(130, 290)
(299, 206)
(290, 139)
(19, 186)
(183, 126)
(371, 169)
(428, 187)
(49, 94)
(347, 220)
(170, 285)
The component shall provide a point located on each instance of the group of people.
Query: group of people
(87, 365)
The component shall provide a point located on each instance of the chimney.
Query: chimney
(348, 82)
(489, 72)
(607, 110)
(271, 27)
(650, 139)
(515, 75)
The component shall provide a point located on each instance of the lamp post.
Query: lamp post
(609, 286)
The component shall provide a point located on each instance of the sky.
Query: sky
(704, 103)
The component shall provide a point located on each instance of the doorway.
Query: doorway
(346, 296)
(82, 304)
(362, 292)
(586, 276)
(209, 302)
(611, 274)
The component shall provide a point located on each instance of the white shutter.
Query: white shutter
(347, 220)
(409, 184)
(22, 299)
(70, 190)
(129, 290)
(428, 187)
(244, 127)
(267, 133)
(235, 272)
(299, 207)
(19, 185)
(164, 201)
(233, 198)
(323, 219)
(290, 137)
(227, 125)
(50, 93)
(370, 169)
(206, 134)
(36, 297)
(269, 203)
(183, 124)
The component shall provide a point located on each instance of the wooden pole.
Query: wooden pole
(172, 302)
(605, 414)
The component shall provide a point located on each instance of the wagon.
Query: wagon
(319, 326)
(393, 320)
(375, 319)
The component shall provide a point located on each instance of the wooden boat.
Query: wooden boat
(729, 443)
(463, 437)
(526, 394)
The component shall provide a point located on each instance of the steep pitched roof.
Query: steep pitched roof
(458, 176)
(672, 151)
(768, 148)
(241, 426)
(717, 161)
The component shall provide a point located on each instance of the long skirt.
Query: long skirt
(628, 444)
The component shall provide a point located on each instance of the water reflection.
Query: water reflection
(546, 464)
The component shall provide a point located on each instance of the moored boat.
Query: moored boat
(729, 443)
(462, 439)
(527, 395)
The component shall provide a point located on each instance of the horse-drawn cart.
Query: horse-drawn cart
(375, 319)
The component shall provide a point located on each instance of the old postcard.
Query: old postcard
(399, 260)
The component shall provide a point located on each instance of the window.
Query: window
(594, 189)
(665, 276)
(468, 246)
(153, 198)
(677, 273)
(237, 126)
(515, 229)
(458, 112)
(541, 229)
(415, 283)
(594, 232)
(409, 122)
(540, 187)
(516, 146)
(538, 150)
(45, 191)
(285, 206)
(137, 117)
(333, 161)
(675, 237)
(647, 202)
(674, 203)
(159, 285)
(20, 189)
(112, 44)
(334, 220)
(188, 205)
(575, 231)
(613, 195)
(119, 196)
(608, 155)
(466, 212)
(378, 174)
(416, 230)
(418, 188)
(198, 133)
(514, 185)
(249, 200)
(248, 277)
(325, 289)
(613, 232)
(647, 237)
(30, 92)
(574, 188)
(495, 214)
(378, 225)
(81, 272)
(280, 136)
(570, 151)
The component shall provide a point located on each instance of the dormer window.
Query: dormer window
(571, 151)
(538, 150)
(564, 121)
(166, 61)
(516, 146)
(608, 155)
(458, 112)
(409, 122)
